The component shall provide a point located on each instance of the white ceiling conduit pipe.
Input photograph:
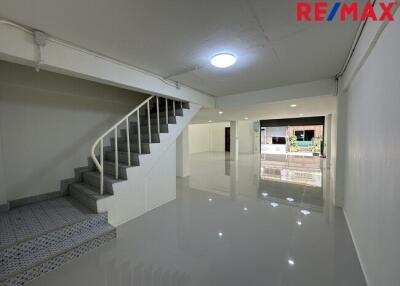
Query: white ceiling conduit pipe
(40, 38)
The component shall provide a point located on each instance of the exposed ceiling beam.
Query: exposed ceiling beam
(289, 92)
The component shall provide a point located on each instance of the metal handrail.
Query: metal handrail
(100, 165)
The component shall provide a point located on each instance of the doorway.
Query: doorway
(227, 139)
(293, 136)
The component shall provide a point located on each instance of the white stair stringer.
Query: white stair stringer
(151, 184)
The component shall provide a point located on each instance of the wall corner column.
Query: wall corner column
(182, 154)
(234, 138)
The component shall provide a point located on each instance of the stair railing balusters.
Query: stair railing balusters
(166, 110)
(102, 166)
(116, 152)
(173, 106)
(100, 140)
(128, 142)
(148, 120)
(158, 116)
(138, 132)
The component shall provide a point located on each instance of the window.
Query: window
(299, 135)
(278, 140)
(308, 135)
(304, 135)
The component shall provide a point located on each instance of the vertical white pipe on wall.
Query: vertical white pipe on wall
(327, 139)
(341, 149)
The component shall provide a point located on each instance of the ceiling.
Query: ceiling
(176, 38)
(305, 107)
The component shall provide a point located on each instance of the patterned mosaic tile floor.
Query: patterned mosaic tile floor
(31, 220)
(40, 237)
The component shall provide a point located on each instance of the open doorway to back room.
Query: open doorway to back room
(227, 139)
(290, 151)
(295, 136)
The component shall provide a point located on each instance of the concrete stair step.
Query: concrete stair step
(144, 137)
(153, 117)
(144, 132)
(30, 259)
(145, 127)
(186, 105)
(92, 178)
(178, 112)
(87, 195)
(109, 169)
(134, 147)
(123, 157)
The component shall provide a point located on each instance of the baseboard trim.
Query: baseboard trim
(35, 199)
(5, 207)
(356, 247)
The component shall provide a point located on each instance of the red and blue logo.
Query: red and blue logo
(322, 11)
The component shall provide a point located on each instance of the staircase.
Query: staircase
(40, 237)
(121, 150)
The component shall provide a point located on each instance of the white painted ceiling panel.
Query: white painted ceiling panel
(176, 38)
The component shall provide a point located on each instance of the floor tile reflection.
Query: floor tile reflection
(292, 169)
(225, 230)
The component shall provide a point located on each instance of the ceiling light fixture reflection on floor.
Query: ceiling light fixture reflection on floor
(274, 204)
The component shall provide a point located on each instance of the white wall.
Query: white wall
(182, 154)
(246, 136)
(162, 188)
(217, 136)
(370, 155)
(48, 123)
(211, 137)
(288, 92)
(199, 138)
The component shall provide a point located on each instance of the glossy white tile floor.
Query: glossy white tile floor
(222, 230)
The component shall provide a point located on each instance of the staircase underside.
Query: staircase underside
(40, 237)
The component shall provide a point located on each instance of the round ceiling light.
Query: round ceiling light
(223, 60)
